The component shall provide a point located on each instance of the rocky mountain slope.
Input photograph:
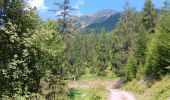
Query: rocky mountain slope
(102, 19)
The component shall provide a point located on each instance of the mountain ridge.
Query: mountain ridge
(106, 18)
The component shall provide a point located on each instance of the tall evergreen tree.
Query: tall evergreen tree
(149, 16)
(158, 57)
(131, 67)
(166, 5)
(126, 32)
(65, 23)
(166, 8)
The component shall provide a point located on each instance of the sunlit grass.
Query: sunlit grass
(88, 94)
(94, 76)
(158, 90)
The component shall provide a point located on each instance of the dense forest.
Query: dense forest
(37, 57)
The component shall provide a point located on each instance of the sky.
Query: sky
(87, 6)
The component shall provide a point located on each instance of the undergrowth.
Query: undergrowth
(87, 94)
(150, 90)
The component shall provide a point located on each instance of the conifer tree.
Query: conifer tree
(65, 22)
(149, 16)
(127, 30)
(131, 67)
(158, 53)
(166, 8)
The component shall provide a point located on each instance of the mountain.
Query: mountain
(106, 18)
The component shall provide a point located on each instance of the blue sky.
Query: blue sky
(88, 6)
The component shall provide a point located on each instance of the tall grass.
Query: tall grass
(87, 94)
(151, 90)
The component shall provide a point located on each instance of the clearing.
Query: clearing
(108, 92)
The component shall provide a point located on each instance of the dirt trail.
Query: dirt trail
(113, 95)
(120, 95)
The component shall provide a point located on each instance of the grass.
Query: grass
(88, 77)
(93, 76)
(154, 90)
(77, 94)
(96, 92)
(87, 94)
(160, 90)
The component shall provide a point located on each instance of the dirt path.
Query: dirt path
(108, 85)
(120, 95)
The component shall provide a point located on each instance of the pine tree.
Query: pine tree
(102, 56)
(65, 22)
(126, 32)
(149, 16)
(166, 8)
(131, 68)
(148, 23)
(158, 57)
(140, 48)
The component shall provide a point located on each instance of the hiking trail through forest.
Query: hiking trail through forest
(114, 94)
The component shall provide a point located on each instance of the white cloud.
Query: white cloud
(59, 12)
(77, 6)
(39, 4)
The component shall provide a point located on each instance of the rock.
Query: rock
(119, 83)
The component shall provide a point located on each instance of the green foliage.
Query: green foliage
(25, 97)
(135, 86)
(140, 71)
(141, 45)
(50, 49)
(35, 59)
(131, 67)
(140, 52)
(17, 62)
(77, 94)
(158, 51)
(149, 16)
(29, 51)
(102, 51)
(159, 89)
(166, 7)
(65, 22)
(90, 53)
(126, 34)
(152, 59)
(87, 94)
(152, 55)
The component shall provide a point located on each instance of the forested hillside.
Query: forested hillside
(38, 58)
